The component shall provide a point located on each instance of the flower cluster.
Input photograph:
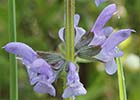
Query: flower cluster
(100, 43)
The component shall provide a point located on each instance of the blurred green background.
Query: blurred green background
(38, 22)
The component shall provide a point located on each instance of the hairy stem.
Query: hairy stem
(13, 63)
(69, 25)
(70, 11)
(121, 79)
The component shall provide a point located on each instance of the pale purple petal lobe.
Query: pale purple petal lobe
(42, 67)
(79, 33)
(74, 91)
(44, 87)
(111, 67)
(33, 78)
(107, 31)
(97, 40)
(22, 50)
(61, 34)
(76, 19)
(104, 56)
(103, 18)
(116, 38)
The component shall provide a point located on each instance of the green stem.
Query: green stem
(121, 79)
(69, 37)
(13, 62)
(70, 11)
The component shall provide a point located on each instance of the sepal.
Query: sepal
(88, 53)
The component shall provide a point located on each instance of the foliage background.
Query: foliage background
(38, 22)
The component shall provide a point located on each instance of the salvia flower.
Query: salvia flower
(26, 53)
(40, 73)
(74, 86)
(79, 31)
(98, 2)
(104, 41)
(101, 32)
(110, 51)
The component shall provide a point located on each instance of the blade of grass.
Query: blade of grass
(121, 80)
(13, 63)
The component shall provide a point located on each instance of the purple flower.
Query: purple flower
(75, 87)
(101, 32)
(40, 73)
(26, 53)
(110, 50)
(98, 2)
(79, 32)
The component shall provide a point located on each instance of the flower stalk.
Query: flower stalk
(121, 79)
(70, 11)
(69, 25)
(13, 62)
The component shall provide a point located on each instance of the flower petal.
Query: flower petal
(107, 31)
(74, 91)
(98, 30)
(98, 2)
(116, 38)
(22, 50)
(97, 40)
(72, 76)
(111, 67)
(79, 33)
(34, 80)
(61, 34)
(116, 52)
(76, 19)
(32, 77)
(42, 67)
(103, 18)
(104, 56)
(44, 87)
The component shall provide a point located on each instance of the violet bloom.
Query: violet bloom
(26, 53)
(110, 51)
(101, 32)
(79, 31)
(40, 73)
(98, 2)
(75, 87)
